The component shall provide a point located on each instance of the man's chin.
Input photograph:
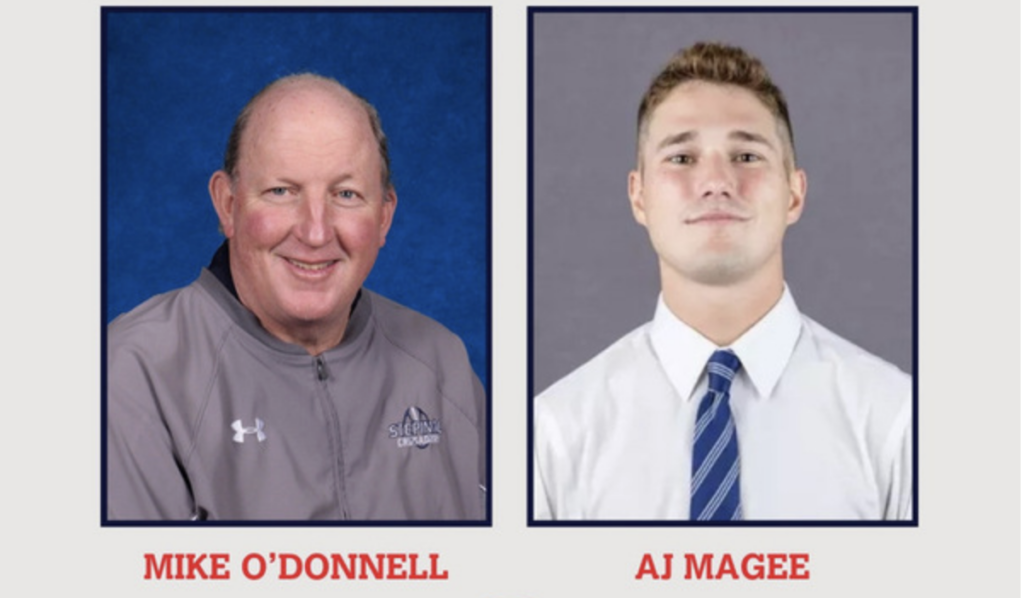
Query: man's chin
(311, 309)
(318, 315)
(725, 272)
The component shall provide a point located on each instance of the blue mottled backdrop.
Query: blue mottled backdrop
(175, 79)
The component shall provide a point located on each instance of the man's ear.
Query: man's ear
(636, 196)
(222, 195)
(797, 194)
(389, 207)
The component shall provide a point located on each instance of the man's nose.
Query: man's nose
(716, 176)
(313, 227)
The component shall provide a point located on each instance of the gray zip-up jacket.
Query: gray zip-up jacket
(211, 417)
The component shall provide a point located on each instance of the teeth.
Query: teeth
(305, 266)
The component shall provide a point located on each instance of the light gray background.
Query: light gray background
(848, 80)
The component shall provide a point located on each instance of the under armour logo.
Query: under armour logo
(241, 431)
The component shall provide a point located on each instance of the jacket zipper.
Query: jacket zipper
(321, 376)
(321, 371)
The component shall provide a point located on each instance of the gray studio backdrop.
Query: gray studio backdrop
(848, 78)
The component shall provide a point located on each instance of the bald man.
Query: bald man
(275, 387)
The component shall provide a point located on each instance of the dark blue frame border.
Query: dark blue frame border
(107, 10)
(531, 11)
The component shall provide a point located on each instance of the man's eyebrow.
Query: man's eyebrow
(343, 177)
(750, 136)
(677, 138)
(736, 135)
(278, 181)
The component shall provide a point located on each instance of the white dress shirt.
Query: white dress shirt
(824, 427)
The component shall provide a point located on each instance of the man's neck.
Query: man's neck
(315, 339)
(722, 313)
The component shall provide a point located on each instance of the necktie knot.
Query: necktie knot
(722, 368)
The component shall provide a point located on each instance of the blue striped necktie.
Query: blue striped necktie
(715, 476)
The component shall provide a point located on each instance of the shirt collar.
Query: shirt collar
(764, 350)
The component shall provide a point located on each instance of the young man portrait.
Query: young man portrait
(731, 403)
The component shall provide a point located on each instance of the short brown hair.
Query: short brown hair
(233, 150)
(724, 65)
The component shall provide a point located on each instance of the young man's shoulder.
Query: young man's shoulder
(852, 359)
(610, 373)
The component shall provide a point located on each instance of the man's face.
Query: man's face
(306, 212)
(714, 187)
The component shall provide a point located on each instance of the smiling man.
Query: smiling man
(276, 387)
(730, 404)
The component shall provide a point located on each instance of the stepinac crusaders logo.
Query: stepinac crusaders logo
(416, 429)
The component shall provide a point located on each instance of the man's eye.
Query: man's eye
(747, 157)
(347, 194)
(279, 191)
(681, 159)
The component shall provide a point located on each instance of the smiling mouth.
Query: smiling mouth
(715, 218)
(311, 266)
